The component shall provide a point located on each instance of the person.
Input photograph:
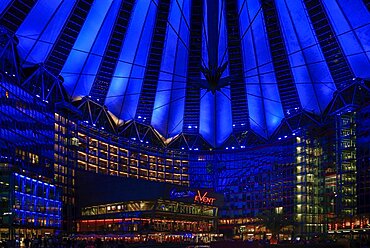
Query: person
(27, 242)
(69, 242)
(98, 243)
(39, 241)
(46, 241)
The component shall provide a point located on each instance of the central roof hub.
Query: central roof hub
(213, 80)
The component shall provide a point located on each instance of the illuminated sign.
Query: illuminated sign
(190, 194)
(204, 199)
(181, 194)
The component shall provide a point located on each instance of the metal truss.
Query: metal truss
(190, 142)
(9, 59)
(140, 133)
(352, 97)
(96, 114)
(45, 85)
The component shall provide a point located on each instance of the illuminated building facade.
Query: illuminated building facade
(362, 161)
(133, 223)
(125, 206)
(90, 149)
(266, 102)
(30, 200)
(33, 207)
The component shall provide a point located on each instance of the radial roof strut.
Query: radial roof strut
(237, 83)
(213, 32)
(333, 53)
(67, 37)
(112, 52)
(149, 87)
(192, 100)
(15, 13)
(285, 80)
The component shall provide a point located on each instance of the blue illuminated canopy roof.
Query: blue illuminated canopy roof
(210, 68)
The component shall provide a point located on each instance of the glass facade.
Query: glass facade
(65, 165)
(26, 129)
(309, 185)
(36, 203)
(29, 206)
(310, 176)
(100, 156)
(346, 162)
(252, 180)
(363, 160)
(30, 202)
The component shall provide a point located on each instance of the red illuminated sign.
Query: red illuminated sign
(204, 199)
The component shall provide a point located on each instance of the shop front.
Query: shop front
(164, 213)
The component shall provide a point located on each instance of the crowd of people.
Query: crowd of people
(68, 242)
(56, 242)
(78, 242)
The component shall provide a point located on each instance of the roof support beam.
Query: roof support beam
(15, 13)
(192, 100)
(213, 32)
(239, 106)
(367, 4)
(284, 76)
(112, 52)
(67, 37)
(337, 62)
(150, 83)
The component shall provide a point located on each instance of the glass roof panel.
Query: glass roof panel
(123, 94)
(169, 102)
(37, 35)
(4, 4)
(353, 31)
(313, 80)
(76, 62)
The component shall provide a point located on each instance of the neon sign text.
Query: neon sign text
(204, 198)
(181, 194)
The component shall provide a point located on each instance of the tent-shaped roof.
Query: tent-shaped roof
(207, 67)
